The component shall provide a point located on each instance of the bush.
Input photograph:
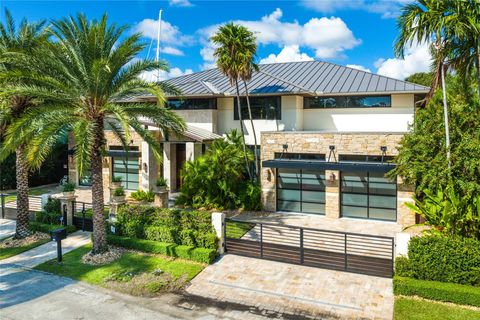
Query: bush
(141, 195)
(132, 219)
(442, 258)
(433, 290)
(118, 192)
(53, 206)
(48, 217)
(116, 179)
(403, 267)
(187, 237)
(162, 234)
(169, 249)
(68, 187)
(46, 228)
(206, 240)
(161, 182)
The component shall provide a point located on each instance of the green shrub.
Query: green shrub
(167, 217)
(46, 228)
(68, 187)
(161, 182)
(206, 240)
(187, 237)
(132, 219)
(120, 191)
(403, 267)
(141, 195)
(116, 179)
(433, 290)
(251, 197)
(442, 258)
(48, 217)
(161, 233)
(53, 206)
(169, 249)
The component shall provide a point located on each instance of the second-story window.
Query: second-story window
(347, 102)
(191, 104)
(267, 108)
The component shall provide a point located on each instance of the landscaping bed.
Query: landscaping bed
(135, 273)
(410, 308)
(10, 247)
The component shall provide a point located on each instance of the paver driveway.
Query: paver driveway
(291, 288)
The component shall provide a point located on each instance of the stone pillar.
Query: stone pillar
(149, 167)
(402, 240)
(332, 194)
(114, 204)
(268, 189)
(193, 150)
(218, 222)
(161, 198)
(68, 202)
(169, 164)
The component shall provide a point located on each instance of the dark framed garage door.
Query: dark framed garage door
(351, 252)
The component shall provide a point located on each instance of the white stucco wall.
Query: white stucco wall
(204, 119)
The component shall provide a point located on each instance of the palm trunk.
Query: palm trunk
(22, 229)
(99, 232)
(478, 67)
(242, 130)
(257, 161)
(445, 116)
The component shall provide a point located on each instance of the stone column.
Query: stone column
(332, 194)
(218, 222)
(149, 167)
(169, 164)
(68, 202)
(114, 204)
(161, 198)
(193, 150)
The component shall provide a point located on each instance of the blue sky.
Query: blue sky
(358, 33)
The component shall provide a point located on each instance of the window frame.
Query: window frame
(212, 104)
(307, 103)
(243, 102)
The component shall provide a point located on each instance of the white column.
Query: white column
(149, 167)
(169, 165)
(218, 222)
(193, 150)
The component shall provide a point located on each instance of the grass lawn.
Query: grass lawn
(9, 252)
(33, 192)
(236, 230)
(418, 309)
(132, 273)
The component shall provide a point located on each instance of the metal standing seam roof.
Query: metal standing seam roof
(192, 132)
(305, 77)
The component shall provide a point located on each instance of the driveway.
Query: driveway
(301, 290)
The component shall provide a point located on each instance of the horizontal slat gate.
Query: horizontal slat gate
(359, 253)
(80, 220)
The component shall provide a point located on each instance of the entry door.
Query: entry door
(180, 160)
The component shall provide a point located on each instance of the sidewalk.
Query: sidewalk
(7, 228)
(48, 251)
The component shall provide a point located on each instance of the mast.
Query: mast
(157, 56)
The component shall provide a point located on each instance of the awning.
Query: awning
(123, 153)
(323, 165)
(195, 133)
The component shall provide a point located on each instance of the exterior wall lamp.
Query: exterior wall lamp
(145, 167)
(332, 177)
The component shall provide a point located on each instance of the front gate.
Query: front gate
(82, 216)
(352, 252)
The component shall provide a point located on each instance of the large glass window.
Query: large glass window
(301, 191)
(192, 104)
(347, 102)
(268, 108)
(368, 195)
(126, 168)
(299, 156)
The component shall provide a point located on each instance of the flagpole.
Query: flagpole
(157, 56)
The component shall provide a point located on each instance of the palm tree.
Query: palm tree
(22, 39)
(233, 60)
(86, 73)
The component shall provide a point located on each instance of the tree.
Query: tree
(234, 59)
(421, 78)
(84, 74)
(25, 39)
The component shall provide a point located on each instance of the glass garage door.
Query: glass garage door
(301, 191)
(126, 168)
(368, 195)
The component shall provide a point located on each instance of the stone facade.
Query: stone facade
(345, 144)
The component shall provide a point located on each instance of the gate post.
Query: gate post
(218, 222)
(69, 203)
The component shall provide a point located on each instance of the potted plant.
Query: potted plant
(161, 184)
(68, 189)
(116, 182)
(119, 194)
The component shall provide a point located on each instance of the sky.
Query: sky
(355, 33)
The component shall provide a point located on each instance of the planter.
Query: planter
(161, 198)
(160, 189)
(115, 185)
(118, 198)
(68, 194)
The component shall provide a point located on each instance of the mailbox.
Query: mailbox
(58, 234)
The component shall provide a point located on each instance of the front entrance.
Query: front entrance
(351, 252)
(180, 158)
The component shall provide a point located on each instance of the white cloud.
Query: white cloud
(417, 59)
(170, 34)
(180, 3)
(288, 54)
(358, 67)
(327, 37)
(164, 75)
(387, 8)
(171, 50)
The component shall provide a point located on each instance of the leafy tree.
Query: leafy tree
(25, 38)
(421, 78)
(217, 180)
(83, 75)
(235, 53)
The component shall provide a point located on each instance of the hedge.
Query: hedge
(169, 249)
(434, 290)
(46, 228)
(442, 258)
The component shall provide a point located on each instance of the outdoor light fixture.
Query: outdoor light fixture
(384, 151)
(332, 177)
(145, 167)
(332, 152)
(332, 148)
(285, 147)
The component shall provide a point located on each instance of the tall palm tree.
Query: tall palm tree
(22, 39)
(233, 57)
(88, 69)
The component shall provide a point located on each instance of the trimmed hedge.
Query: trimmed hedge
(442, 258)
(169, 249)
(46, 228)
(434, 290)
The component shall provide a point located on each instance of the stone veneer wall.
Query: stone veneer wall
(345, 143)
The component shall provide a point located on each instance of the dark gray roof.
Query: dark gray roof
(306, 77)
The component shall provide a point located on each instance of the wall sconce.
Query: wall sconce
(269, 175)
(145, 167)
(332, 152)
(285, 147)
(332, 177)
(383, 149)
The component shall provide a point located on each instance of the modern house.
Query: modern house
(326, 135)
